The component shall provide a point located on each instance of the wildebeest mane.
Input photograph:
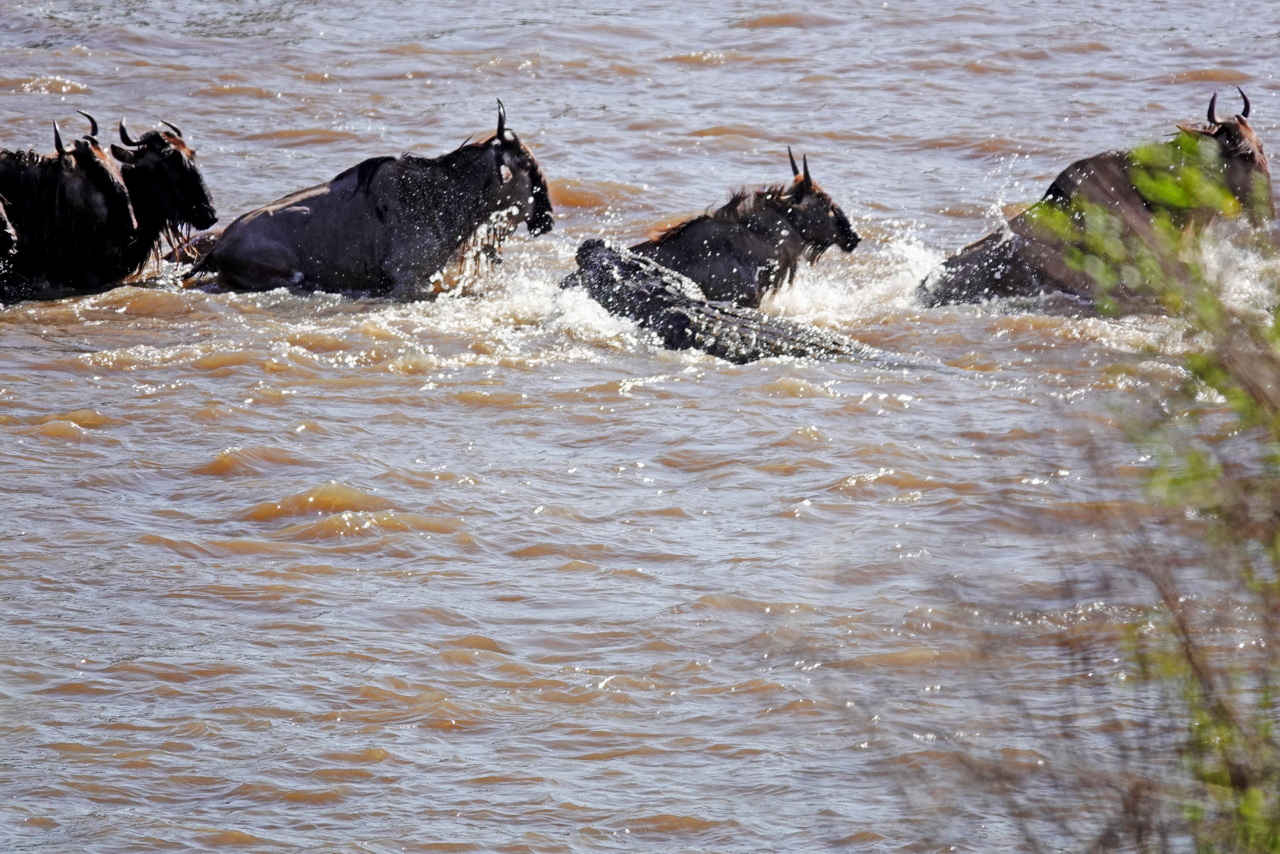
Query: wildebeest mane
(21, 158)
(449, 164)
(742, 204)
(463, 154)
(746, 202)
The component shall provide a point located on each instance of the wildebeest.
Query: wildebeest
(1109, 222)
(68, 210)
(166, 190)
(388, 225)
(751, 246)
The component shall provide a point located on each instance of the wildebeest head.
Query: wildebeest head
(523, 187)
(1244, 163)
(91, 185)
(161, 171)
(820, 222)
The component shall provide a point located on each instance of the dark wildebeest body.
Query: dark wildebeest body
(388, 225)
(630, 285)
(68, 212)
(751, 246)
(167, 191)
(1042, 251)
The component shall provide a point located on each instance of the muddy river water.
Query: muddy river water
(496, 572)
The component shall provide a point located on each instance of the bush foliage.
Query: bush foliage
(1212, 658)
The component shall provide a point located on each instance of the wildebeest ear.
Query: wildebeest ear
(124, 155)
(1196, 129)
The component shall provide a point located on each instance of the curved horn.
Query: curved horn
(805, 160)
(57, 140)
(795, 170)
(1246, 102)
(177, 130)
(124, 136)
(93, 123)
(502, 119)
(1213, 102)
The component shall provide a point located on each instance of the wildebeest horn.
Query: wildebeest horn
(57, 139)
(805, 160)
(795, 170)
(177, 130)
(1213, 102)
(93, 123)
(502, 119)
(124, 136)
(1246, 102)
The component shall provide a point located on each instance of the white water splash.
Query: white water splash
(856, 289)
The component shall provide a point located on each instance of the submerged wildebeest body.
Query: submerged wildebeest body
(1044, 250)
(68, 211)
(167, 191)
(752, 245)
(630, 285)
(388, 225)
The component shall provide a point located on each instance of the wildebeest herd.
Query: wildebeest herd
(85, 218)
(81, 220)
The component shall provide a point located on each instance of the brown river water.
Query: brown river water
(497, 573)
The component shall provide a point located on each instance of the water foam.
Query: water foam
(861, 288)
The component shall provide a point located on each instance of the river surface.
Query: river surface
(498, 573)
